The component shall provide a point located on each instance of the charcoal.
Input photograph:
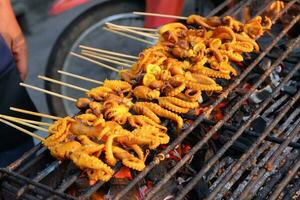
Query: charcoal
(297, 75)
(252, 78)
(200, 191)
(158, 171)
(264, 64)
(288, 89)
(260, 95)
(258, 125)
(275, 78)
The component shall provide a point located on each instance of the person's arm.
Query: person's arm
(13, 36)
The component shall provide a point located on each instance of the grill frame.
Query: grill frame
(14, 170)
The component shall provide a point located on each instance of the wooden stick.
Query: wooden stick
(80, 77)
(160, 15)
(34, 113)
(108, 52)
(120, 29)
(110, 25)
(29, 121)
(129, 29)
(63, 83)
(94, 61)
(48, 92)
(141, 28)
(22, 130)
(129, 36)
(107, 59)
(107, 56)
(24, 123)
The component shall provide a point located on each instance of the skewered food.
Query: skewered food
(124, 117)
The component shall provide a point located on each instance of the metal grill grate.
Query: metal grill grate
(277, 154)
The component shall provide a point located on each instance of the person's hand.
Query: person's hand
(13, 36)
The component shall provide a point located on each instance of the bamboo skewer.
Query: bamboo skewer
(160, 15)
(129, 36)
(108, 52)
(48, 92)
(34, 113)
(63, 83)
(80, 77)
(146, 34)
(141, 28)
(112, 26)
(107, 59)
(94, 61)
(29, 121)
(107, 56)
(23, 123)
(22, 130)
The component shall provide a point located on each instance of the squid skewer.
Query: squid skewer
(108, 56)
(80, 77)
(22, 130)
(95, 62)
(48, 92)
(35, 113)
(24, 123)
(63, 83)
(108, 52)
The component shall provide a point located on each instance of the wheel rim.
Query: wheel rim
(107, 40)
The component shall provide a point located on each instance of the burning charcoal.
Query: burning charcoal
(252, 78)
(223, 82)
(274, 76)
(157, 174)
(158, 171)
(265, 64)
(288, 89)
(258, 125)
(260, 95)
(297, 75)
(200, 191)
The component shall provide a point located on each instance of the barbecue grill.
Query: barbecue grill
(251, 151)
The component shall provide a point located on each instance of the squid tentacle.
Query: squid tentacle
(164, 113)
(179, 102)
(137, 121)
(197, 86)
(141, 109)
(168, 105)
(210, 72)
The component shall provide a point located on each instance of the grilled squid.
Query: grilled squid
(145, 92)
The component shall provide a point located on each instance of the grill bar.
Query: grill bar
(236, 6)
(261, 164)
(68, 182)
(270, 162)
(292, 190)
(273, 139)
(262, 194)
(255, 145)
(240, 131)
(95, 187)
(286, 180)
(36, 159)
(39, 177)
(65, 184)
(218, 126)
(26, 156)
(236, 82)
(219, 8)
(12, 190)
(249, 164)
(39, 185)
